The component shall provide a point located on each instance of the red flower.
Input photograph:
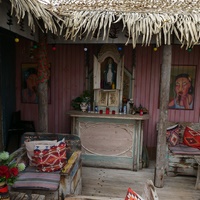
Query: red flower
(14, 171)
(4, 170)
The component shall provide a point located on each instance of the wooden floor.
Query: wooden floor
(115, 182)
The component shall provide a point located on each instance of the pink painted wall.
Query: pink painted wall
(68, 80)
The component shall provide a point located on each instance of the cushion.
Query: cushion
(191, 137)
(182, 149)
(131, 195)
(172, 134)
(39, 180)
(48, 159)
(30, 145)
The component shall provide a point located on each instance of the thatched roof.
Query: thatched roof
(140, 18)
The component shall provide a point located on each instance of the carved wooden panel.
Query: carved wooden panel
(113, 98)
(107, 139)
(108, 98)
(103, 98)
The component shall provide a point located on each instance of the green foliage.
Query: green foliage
(86, 96)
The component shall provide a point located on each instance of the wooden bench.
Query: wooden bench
(70, 175)
(197, 186)
(182, 159)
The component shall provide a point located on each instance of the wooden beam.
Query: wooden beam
(163, 117)
(43, 77)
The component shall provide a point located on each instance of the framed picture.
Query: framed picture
(29, 83)
(182, 83)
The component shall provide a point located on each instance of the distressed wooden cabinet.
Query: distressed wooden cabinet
(113, 141)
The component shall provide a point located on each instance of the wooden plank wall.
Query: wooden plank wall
(68, 81)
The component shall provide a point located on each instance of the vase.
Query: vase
(83, 106)
(4, 191)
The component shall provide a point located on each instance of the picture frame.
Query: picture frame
(29, 84)
(182, 87)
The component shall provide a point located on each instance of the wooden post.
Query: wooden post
(163, 117)
(43, 77)
(1, 129)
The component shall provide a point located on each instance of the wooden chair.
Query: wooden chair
(69, 178)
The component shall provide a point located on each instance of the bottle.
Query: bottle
(120, 109)
(89, 107)
(107, 110)
(96, 109)
(128, 107)
(141, 109)
(113, 85)
(125, 109)
(141, 112)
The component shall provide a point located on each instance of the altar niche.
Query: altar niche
(108, 74)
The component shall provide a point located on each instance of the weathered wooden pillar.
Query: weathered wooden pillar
(1, 129)
(43, 77)
(163, 117)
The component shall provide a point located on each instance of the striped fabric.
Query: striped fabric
(31, 179)
(184, 150)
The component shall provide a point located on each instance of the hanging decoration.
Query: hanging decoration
(9, 19)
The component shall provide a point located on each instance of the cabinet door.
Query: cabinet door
(97, 74)
(113, 98)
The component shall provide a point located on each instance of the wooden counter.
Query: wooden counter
(113, 141)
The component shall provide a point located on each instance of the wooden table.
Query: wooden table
(197, 186)
(23, 196)
(112, 141)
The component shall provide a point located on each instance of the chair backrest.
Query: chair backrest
(73, 142)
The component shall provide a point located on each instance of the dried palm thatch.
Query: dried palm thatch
(141, 18)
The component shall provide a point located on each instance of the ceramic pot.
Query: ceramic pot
(4, 192)
(83, 106)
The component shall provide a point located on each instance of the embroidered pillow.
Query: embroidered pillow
(30, 145)
(191, 137)
(48, 159)
(172, 134)
(131, 195)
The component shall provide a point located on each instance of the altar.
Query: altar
(112, 141)
(109, 137)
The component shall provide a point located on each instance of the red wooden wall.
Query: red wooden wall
(68, 80)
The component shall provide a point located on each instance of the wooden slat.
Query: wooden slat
(23, 196)
(101, 182)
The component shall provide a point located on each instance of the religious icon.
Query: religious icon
(109, 74)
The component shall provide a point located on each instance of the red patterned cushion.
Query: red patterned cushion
(191, 137)
(48, 159)
(172, 134)
(30, 145)
(131, 195)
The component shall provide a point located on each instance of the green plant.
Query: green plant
(86, 96)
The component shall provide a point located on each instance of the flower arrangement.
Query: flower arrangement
(9, 169)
